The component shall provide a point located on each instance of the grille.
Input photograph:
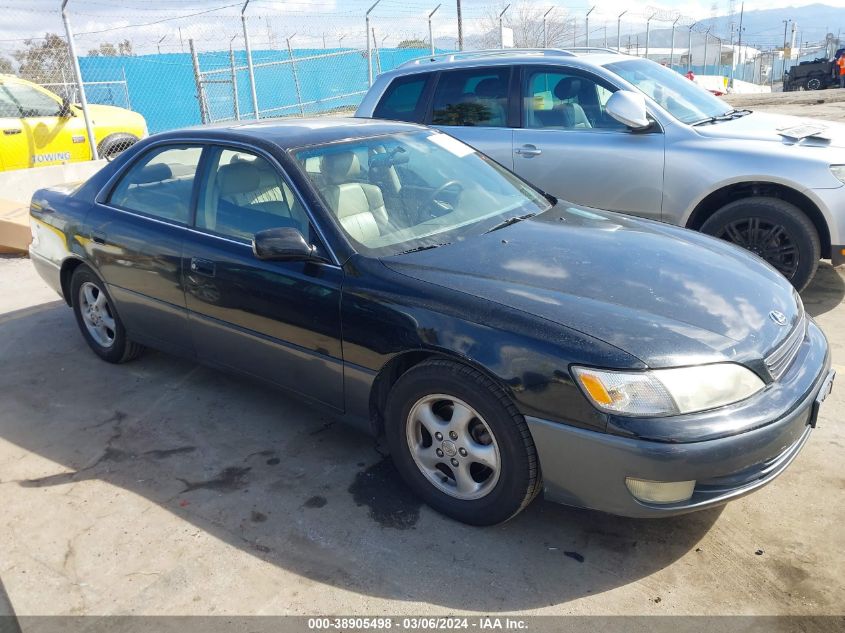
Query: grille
(781, 358)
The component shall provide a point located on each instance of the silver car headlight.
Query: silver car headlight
(839, 172)
(661, 392)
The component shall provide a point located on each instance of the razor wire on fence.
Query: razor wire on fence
(188, 62)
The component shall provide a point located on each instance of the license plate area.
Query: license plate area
(824, 392)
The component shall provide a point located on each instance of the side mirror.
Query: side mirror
(628, 108)
(65, 110)
(284, 245)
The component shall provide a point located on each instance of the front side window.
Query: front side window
(567, 100)
(676, 94)
(403, 99)
(245, 194)
(160, 184)
(28, 101)
(394, 193)
(477, 97)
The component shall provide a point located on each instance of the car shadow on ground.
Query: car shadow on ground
(825, 292)
(264, 473)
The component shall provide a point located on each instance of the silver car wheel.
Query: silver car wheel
(453, 446)
(96, 314)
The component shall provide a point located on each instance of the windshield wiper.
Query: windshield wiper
(730, 115)
(424, 247)
(509, 221)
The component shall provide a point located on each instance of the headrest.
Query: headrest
(237, 178)
(488, 88)
(153, 173)
(567, 88)
(341, 167)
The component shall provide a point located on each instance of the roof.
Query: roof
(294, 132)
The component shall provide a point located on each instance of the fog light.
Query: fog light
(660, 491)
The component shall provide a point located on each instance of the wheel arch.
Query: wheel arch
(69, 266)
(115, 138)
(399, 365)
(753, 189)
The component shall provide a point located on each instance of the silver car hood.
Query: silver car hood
(761, 126)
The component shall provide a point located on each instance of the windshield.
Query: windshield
(401, 192)
(679, 96)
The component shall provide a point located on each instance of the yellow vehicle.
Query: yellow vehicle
(37, 127)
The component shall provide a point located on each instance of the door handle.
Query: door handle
(529, 150)
(98, 237)
(11, 131)
(202, 267)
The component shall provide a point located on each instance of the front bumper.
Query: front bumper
(588, 468)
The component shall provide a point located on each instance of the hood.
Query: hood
(761, 126)
(666, 295)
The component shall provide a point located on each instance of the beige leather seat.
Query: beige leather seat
(358, 206)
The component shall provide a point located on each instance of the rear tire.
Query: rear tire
(98, 320)
(460, 443)
(774, 229)
(813, 83)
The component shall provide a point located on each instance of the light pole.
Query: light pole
(619, 30)
(369, 61)
(430, 36)
(250, 68)
(545, 28)
(648, 32)
(689, 48)
(587, 25)
(502, 27)
(672, 46)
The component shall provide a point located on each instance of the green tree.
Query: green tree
(44, 60)
(6, 66)
(412, 43)
(107, 49)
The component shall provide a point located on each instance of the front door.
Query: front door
(474, 105)
(277, 321)
(570, 147)
(136, 232)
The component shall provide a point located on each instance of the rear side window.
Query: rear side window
(160, 184)
(477, 97)
(403, 99)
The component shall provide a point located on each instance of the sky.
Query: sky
(165, 25)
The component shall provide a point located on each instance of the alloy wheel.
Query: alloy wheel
(768, 240)
(97, 314)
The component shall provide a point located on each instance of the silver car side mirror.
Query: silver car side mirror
(629, 109)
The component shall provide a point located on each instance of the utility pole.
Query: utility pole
(460, 28)
(369, 49)
(430, 35)
(545, 28)
(619, 30)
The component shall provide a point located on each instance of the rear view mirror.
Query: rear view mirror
(629, 109)
(65, 111)
(283, 244)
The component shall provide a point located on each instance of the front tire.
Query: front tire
(460, 443)
(814, 83)
(774, 229)
(98, 320)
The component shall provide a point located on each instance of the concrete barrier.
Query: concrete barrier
(16, 189)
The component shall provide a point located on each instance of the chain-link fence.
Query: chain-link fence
(187, 62)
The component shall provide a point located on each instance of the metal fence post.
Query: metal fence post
(235, 96)
(376, 51)
(250, 69)
(502, 27)
(689, 48)
(83, 102)
(648, 33)
(619, 30)
(587, 26)
(430, 35)
(295, 77)
(369, 50)
(198, 80)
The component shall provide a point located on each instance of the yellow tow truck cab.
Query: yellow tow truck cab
(37, 127)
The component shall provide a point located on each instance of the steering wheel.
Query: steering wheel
(440, 207)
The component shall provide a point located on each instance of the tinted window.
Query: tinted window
(160, 184)
(567, 100)
(402, 101)
(477, 97)
(19, 100)
(245, 194)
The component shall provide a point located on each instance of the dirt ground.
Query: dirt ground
(823, 104)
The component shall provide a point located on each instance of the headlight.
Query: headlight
(839, 172)
(662, 392)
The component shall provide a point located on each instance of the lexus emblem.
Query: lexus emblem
(778, 317)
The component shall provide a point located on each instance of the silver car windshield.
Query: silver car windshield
(403, 192)
(679, 96)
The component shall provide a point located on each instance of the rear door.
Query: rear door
(276, 321)
(570, 147)
(136, 233)
(475, 106)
